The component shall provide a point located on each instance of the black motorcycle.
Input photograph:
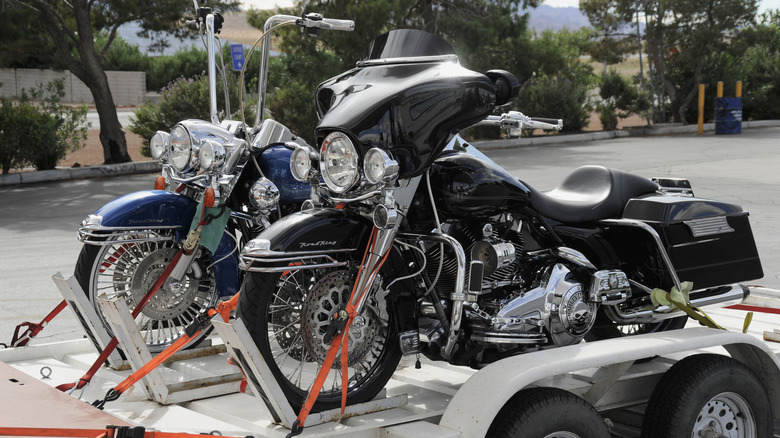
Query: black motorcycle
(416, 243)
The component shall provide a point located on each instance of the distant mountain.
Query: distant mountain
(547, 17)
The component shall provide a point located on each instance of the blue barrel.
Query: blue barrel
(728, 115)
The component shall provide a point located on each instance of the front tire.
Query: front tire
(286, 314)
(127, 270)
(548, 413)
(708, 395)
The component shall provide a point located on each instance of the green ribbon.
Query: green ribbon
(211, 233)
(682, 300)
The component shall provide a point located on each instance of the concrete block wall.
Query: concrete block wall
(127, 87)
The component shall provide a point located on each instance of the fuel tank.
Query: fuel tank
(464, 185)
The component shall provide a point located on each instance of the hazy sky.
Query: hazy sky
(267, 4)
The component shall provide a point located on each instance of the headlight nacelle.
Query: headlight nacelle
(304, 163)
(158, 146)
(212, 155)
(182, 152)
(378, 167)
(339, 162)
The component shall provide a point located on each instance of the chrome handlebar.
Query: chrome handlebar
(515, 120)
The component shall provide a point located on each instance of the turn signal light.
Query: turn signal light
(159, 183)
(209, 197)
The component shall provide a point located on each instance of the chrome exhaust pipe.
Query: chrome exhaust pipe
(705, 299)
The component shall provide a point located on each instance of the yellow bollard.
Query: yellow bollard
(720, 88)
(739, 89)
(701, 109)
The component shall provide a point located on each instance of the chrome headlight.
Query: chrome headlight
(339, 162)
(181, 150)
(211, 155)
(379, 167)
(302, 162)
(158, 145)
(264, 194)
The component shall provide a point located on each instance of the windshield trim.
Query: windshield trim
(408, 60)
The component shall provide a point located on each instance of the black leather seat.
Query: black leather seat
(590, 193)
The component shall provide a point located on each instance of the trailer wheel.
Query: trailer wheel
(548, 413)
(708, 395)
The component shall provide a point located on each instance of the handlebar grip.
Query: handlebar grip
(545, 120)
(335, 24)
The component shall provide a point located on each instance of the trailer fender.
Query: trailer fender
(476, 404)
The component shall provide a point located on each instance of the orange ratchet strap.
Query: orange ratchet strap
(341, 340)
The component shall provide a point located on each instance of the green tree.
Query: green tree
(38, 129)
(679, 37)
(619, 99)
(72, 27)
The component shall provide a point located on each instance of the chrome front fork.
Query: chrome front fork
(371, 265)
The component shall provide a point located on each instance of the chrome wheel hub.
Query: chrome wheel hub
(174, 297)
(726, 415)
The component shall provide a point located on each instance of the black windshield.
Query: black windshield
(407, 43)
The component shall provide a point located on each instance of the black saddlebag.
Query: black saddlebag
(710, 243)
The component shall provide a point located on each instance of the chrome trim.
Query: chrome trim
(458, 296)
(736, 294)
(211, 49)
(659, 243)
(709, 226)
(332, 264)
(358, 198)
(263, 73)
(510, 338)
(247, 261)
(574, 256)
(409, 60)
(603, 291)
(86, 235)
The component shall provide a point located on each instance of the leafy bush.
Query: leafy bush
(185, 99)
(559, 96)
(163, 70)
(191, 62)
(38, 130)
(121, 55)
(619, 99)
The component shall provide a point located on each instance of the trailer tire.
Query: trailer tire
(708, 392)
(548, 412)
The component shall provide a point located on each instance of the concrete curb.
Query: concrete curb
(80, 172)
(605, 135)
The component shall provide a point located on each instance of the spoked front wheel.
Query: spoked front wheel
(127, 270)
(288, 315)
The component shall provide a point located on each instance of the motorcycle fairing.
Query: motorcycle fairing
(160, 208)
(410, 107)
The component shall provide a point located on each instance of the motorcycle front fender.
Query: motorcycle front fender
(149, 209)
(309, 233)
(154, 209)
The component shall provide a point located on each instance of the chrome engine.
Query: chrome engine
(557, 308)
(508, 312)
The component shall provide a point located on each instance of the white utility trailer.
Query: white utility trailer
(197, 391)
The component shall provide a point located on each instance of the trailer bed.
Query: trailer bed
(429, 389)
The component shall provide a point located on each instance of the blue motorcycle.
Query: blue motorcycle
(222, 183)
